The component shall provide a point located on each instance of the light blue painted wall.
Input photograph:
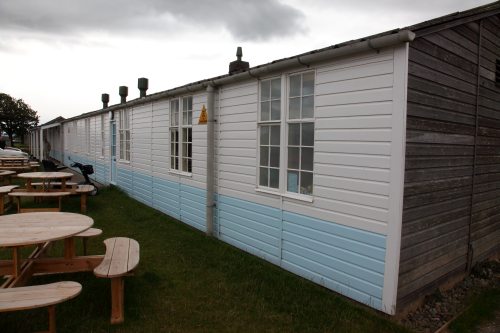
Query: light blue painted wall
(347, 260)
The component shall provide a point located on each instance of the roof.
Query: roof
(420, 29)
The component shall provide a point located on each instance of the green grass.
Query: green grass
(483, 308)
(188, 282)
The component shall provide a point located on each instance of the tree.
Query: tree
(16, 117)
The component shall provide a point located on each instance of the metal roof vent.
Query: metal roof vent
(123, 91)
(142, 84)
(105, 100)
(238, 66)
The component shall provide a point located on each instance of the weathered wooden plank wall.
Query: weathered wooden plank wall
(452, 176)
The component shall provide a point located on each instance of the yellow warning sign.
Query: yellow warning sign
(203, 116)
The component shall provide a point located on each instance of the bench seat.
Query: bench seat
(34, 194)
(32, 297)
(3, 191)
(92, 232)
(121, 258)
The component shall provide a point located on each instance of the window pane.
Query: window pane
(275, 157)
(294, 134)
(308, 84)
(306, 183)
(294, 85)
(264, 135)
(275, 135)
(263, 177)
(184, 149)
(264, 111)
(293, 158)
(274, 178)
(264, 91)
(264, 156)
(308, 107)
(190, 118)
(184, 118)
(275, 110)
(276, 88)
(190, 103)
(306, 159)
(308, 134)
(294, 108)
(190, 134)
(184, 134)
(292, 183)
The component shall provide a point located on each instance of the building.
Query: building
(370, 167)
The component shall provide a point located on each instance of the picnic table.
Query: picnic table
(41, 229)
(46, 178)
(5, 176)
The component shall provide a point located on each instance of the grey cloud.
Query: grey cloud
(245, 20)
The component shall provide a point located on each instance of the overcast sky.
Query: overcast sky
(59, 56)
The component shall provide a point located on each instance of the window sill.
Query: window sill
(123, 162)
(299, 197)
(180, 173)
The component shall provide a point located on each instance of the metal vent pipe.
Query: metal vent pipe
(123, 91)
(105, 100)
(142, 84)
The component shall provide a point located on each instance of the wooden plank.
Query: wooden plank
(442, 54)
(22, 298)
(416, 213)
(431, 125)
(452, 44)
(119, 262)
(436, 185)
(424, 72)
(435, 196)
(419, 149)
(435, 113)
(413, 136)
(437, 161)
(437, 173)
(103, 269)
(421, 224)
(444, 92)
(440, 102)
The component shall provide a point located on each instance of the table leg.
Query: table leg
(16, 260)
(1, 204)
(83, 203)
(69, 248)
(117, 300)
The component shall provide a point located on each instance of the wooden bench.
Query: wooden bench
(32, 297)
(71, 185)
(121, 258)
(23, 194)
(92, 232)
(84, 191)
(3, 191)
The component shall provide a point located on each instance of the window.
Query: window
(103, 134)
(269, 129)
(181, 134)
(295, 113)
(300, 134)
(124, 132)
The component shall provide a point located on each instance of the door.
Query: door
(113, 152)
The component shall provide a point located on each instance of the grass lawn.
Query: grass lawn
(483, 309)
(188, 282)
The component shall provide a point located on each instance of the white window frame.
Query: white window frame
(284, 123)
(124, 135)
(181, 135)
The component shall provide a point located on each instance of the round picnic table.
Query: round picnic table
(5, 176)
(36, 228)
(46, 178)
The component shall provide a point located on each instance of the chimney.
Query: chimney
(105, 100)
(142, 84)
(238, 65)
(123, 91)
